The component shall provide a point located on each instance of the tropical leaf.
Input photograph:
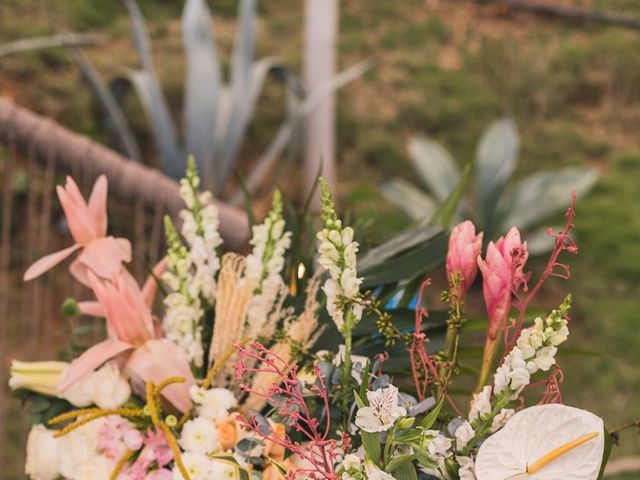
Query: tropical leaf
(447, 213)
(496, 159)
(543, 194)
(436, 167)
(115, 117)
(413, 201)
(203, 83)
(50, 41)
(148, 88)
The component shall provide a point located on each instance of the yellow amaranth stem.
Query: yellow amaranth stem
(121, 463)
(92, 414)
(561, 450)
(152, 393)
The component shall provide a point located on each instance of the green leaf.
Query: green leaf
(423, 457)
(406, 471)
(428, 421)
(399, 462)
(408, 435)
(608, 445)
(408, 198)
(496, 160)
(435, 166)
(360, 399)
(371, 444)
(445, 215)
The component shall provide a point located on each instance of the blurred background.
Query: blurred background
(420, 86)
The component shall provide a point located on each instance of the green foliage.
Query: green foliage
(494, 208)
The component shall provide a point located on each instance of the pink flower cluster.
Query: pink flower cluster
(118, 436)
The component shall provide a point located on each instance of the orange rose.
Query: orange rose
(273, 450)
(227, 432)
(272, 473)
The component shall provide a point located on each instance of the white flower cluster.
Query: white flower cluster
(191, 268)
(535, 351)
(202, 438)
(105, 387)
(337, 254)
(266, 261)
(74, 456)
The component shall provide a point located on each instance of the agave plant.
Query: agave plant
(495, 206)
(217, 114)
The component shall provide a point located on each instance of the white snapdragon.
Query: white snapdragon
(535, 351)
(337, 254)
(192, 266)
(264, 265)
(467, 468)
(481, 404)
(437, 445)
(464, 433)
(382, 412)
(501, 419)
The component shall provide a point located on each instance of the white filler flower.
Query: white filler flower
(382, 412)
(545, 442)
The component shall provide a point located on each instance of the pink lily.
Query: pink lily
(462, 257)
(502, 274)
(88, 226)
(134, 340)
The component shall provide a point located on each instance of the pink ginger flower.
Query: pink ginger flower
(87, 223)
(133, 339)
(462, 258)
(502, 274)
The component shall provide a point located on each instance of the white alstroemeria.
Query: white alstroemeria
(383, 410)
(337, 254)
(198, 467)
(199, 435)
(192, 266)
(467, 468)
(213, 404)
(463, 434)
(265, 262)
(545, 442)
(374, 473)
(42, 454)
(481, 404)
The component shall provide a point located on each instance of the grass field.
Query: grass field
(444, 69)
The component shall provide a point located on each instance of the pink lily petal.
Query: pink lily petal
(103, 257)
(79, 271)
(125, 249)
(48, 262)
(158, 360)
(129, 322)
(92, 359)
(150, 287)
(98, 205)
(80, 223)
(93, 309)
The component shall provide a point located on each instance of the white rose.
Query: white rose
(79, 448)
(42, 454)
(463, 434)
(98, 468)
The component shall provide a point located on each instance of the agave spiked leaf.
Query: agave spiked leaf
(543, 194)
(203, 84)
(413, 201)
(496, 160)
(52, 41)
(117, 121)
(148, 88)
(434, 164)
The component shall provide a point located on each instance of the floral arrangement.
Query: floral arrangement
(224, 382)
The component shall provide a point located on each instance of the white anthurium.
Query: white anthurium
(383, 410)
(545, 442)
